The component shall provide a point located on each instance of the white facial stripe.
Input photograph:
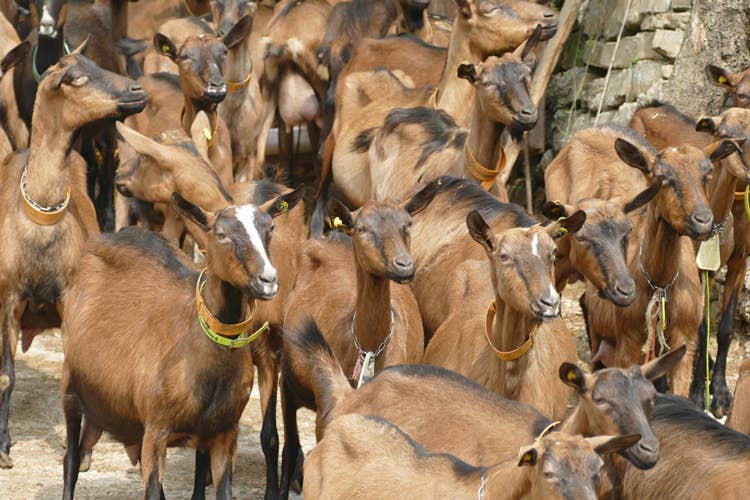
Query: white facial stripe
(246, 215)
(535, 245)
(46, 16)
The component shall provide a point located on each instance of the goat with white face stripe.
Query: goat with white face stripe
(235, 240)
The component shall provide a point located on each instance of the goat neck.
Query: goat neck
(721, 192)
(453, 93)
(225, 301)
(484, 136)
(48, 175)
(510, 329)
(372, 309)
(192, 107)
(659, 250)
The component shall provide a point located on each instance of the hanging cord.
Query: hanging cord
(747, 202)
(612, 62)
(708, 331)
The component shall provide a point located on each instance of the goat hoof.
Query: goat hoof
(85, 462)
(5, 461)
(721, 403)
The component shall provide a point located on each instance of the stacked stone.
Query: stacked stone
(651, 40)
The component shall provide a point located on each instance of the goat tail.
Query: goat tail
(307, 351)
(317, 219)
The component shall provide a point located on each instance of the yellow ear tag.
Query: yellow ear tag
(165, 48)
(562, 231)
(722, 79)
(282, 206)
(337, 222)
(571, 376)
(526, 457)
(207, 133)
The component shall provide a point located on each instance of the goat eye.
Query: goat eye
(220, 235)
(78, 81)
(549, 475)
(504, 258)
(361, 229)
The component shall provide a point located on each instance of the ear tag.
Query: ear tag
(207, 133)
(283, 206)
(722, 79)
(165, 48)
(337, 222)
(709, 254)
(571, 375)
(562, 231)
(368, 369)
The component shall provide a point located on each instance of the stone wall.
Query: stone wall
(652, 36)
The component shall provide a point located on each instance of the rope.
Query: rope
(612, 62)
(747, 202)
(708, 333)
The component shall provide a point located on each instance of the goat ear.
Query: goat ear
(200, 131)
(720, 77)
(573, 376)
(467, 71)
(191, 212)
(528, 47)
(570, 224)
(604, 445)
(527, 456)
(422, 199)
(663, 364)
(81, 48)
(285, 202)
(145, 145)
(480, 231)
(706, 124)
(165, 46)
(723, 148)
(464, 8)
(238, 32)
(341, 216)
(554, 210)
(644, 196)
(631, 155)
(14, 56)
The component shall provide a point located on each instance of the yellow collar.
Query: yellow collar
(223, 329)
(237, 86)
(208, 133)
(432, 102)
(483, 175)
(44, 216)
(506, 355)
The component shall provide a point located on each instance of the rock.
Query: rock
(668, 42)
(560, 132)
(632, 49)
(666, 70)
(604, 17)
(626, 112)
(650, 6)
(643, 76)
(680, 5)
(563, 86)
(665, 20)
(607, 117)
(654, 93)
(617, 91)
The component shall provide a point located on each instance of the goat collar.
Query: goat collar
(34, 71)
(218, 331)
(40, 214)
(237, 86)
(482, 174)
(363, 357)
(516, 353)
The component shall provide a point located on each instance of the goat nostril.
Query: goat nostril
(267, 279)
(624, 289)
(527, 112)
(135, 88)
(402, 262)
(646, 448)
(703, 218)
(548, 301)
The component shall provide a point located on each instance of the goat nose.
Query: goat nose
(646, 447)
(548, 14)
(548, 301)
(134, 87)
(268, 277)
(528, 111)
(703, 217)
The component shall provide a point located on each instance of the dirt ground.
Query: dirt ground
(38, 432)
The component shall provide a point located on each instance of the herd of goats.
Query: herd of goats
(406, 301)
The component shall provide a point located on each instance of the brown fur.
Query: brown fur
(40, 262)
(14, 128)
(739, 415)
(365, 450)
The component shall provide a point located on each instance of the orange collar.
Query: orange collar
(39, 214)
(237, 86)
(506, 355)
(482, 174)
(223, 329)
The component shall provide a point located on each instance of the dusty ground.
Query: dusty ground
(37, 430)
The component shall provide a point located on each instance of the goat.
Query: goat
(11, 58)
(362, 104)
(417, 145)
(739, 416)
(47, 220)
(370, 326)
(665, 126)
(192, 312)
(736, 83)
(375, 459)
(661, 261)
(611, 401)
(14, 128)
(699, 457)
(147, 17)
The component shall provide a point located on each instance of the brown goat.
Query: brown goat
(365, 318)
(145, 18)
(46, 222)
(375, 459)
(699, 457)
(739, 416)
(661, 261)
(14, 128)
(362, 104)
(172, 312)
(430, 403)
(736, 83)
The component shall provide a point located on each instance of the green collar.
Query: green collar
(236, 343)
(34, 71)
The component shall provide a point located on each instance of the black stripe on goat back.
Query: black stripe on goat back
(439, 127)
(631, 136)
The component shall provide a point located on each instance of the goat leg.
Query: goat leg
(292, 448)
(698, 385)
(722, 398)
(7, 382)
(268, 382)
(73, 415)
(222, 461)
(153, 456)
(202, 474)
